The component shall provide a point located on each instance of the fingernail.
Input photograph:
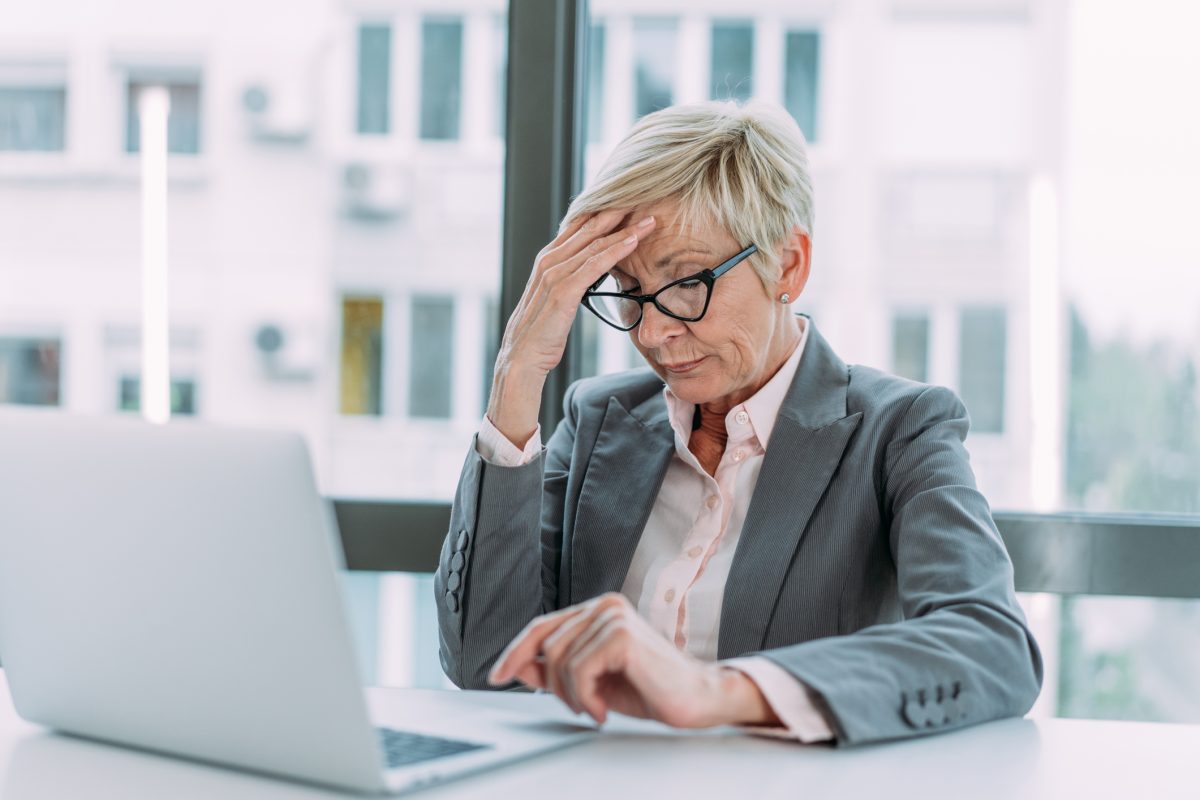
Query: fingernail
(646, 223)
(630, 240)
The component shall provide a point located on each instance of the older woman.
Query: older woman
(750, 531)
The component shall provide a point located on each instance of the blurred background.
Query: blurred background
(1004, 197)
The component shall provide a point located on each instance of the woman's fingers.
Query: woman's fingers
(591, 263)
(581, 233)
(566, 663)
(605, 656)
(555, 646)
(527, 644)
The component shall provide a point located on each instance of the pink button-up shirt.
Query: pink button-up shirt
(677, 577)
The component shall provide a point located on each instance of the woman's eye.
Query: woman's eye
(691, 284)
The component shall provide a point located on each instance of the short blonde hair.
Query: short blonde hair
(741, 167)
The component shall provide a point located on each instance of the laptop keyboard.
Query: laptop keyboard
(402, 748)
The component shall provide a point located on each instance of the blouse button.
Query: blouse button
(695, 551)
(742, 417)
(739, 455)
(711, 502)
(670, 595)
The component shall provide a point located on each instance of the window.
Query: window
(32, 118)
(982, 351)
(362, 356)
(30, 372)
(432, 357)
(374, 78)
(441, 77)
(732, 61)
(654, 64)
(802, 60)
(910, 346)
(595, 83)
(183, 395)
(183, 120)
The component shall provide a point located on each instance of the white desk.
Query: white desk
(1017, 759)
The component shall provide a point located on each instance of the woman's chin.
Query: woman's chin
(695, 389)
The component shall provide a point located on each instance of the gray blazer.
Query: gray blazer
(869, 566)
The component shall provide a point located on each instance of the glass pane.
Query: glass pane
(1130, 658)
(910, 346)
(500, 43)
(732, 61)
(595, 83)
(30, 371)
(32, 118)
(330, 270)
(183, 395)
(981, 366)
(654, 64)
(441, 78)
(977, 178)
(183, 120)
(432, 357)
(801, 79)
(362, 356)
(374, 78)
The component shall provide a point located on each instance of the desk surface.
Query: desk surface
(1018, 759)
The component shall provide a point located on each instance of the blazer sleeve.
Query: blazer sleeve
(498, 567)
(963, 653)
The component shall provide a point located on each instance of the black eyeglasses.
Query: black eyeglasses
(685, 299)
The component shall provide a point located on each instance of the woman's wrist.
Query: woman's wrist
(515, 401)
(744, 703)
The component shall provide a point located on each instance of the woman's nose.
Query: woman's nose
(656, 328)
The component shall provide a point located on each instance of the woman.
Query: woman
(773, 538)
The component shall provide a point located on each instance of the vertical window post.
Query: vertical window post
(543, 164)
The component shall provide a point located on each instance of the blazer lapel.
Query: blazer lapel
(624, 473)
(806, 446)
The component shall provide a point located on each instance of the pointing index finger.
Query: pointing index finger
(528, 643)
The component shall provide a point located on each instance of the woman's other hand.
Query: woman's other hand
(536, 334)
(601, 656)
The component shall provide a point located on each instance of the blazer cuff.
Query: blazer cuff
(495, 448)
(788, 697)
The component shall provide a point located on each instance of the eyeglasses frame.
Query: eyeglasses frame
(708, 276)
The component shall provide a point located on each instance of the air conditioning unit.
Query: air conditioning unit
(288, 352)
(278, 111)
(376, 192)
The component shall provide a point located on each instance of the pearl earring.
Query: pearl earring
(784, 298)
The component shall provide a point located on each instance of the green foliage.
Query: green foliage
(1133, 434)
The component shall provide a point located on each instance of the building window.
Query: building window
(374, 78)
(33, 118)
(441, 77)
(802, 62)
(595, 83)
(910, 346)
(654, 64)
(432, 357)
(732, 61)
(183, 395)
(362, 356)
(30, 372)
(982, 358)
(183, 120)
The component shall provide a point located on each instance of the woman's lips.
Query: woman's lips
(682, 366)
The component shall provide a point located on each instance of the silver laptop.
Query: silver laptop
(175, 588)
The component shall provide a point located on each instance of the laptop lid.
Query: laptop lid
(175, 588)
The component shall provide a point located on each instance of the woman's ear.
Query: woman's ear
(794, 265)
